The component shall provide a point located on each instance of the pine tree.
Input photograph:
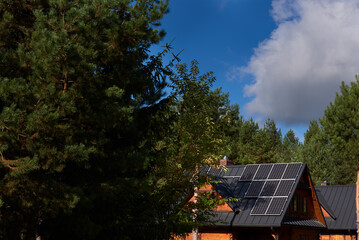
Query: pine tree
(317, 154)
(331, 147)
(247, 144)
(341, 125)
(290, 146)
(77, 89)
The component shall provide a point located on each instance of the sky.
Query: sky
(279, 59)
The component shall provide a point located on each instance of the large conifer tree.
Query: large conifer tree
(77, 92)
(331, 147)
(341, 125)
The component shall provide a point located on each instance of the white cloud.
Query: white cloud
(284, 10)
(300, 67)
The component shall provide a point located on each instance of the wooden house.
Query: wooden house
(266, 201)
(338, 207)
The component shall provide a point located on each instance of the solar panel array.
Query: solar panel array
(270, 185)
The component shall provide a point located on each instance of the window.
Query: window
(304, 205)
(299, 204)
(293, 204)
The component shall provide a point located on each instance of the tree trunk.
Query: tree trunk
(195, 196)
(195, 229)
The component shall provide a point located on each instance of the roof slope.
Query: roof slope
(264, 192)
(341, 202)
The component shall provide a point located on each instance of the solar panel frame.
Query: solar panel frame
(249, 172)
(276, 206)
(284, 188)
(261, 206)
(263, 171)
(277, 171)
(292, 171)
(254, 189)
(240, 171)
(269, 188)
(215, 172)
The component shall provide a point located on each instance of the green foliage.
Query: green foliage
(90, 147)
(316, 153)
(331, 148)
(341, 125)
(79, 96)
(290, 147)
(195, 139)
(250, 144)
(200, 121)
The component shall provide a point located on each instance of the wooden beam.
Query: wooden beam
(317, 208)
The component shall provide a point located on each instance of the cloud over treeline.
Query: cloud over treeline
(298, 69)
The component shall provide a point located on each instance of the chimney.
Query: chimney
(225, 161)
(325, 183)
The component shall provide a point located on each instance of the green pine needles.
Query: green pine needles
(74, 76)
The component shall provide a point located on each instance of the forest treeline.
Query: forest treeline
(93, 147)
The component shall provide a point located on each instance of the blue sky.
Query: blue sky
(282, 59)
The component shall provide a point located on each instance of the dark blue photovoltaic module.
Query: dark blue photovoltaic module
(269, 188)
(255, 188)
(249, 172)
(292, 171)
(263, 171)
(277, 171)
(276, 206)
(284, 188)
(261, 206)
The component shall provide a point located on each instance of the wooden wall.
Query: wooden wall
(209, 236)
(337, 237)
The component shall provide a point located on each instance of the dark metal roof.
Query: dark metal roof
(235, 182)
(243, 219)
(324, 204)
(312, 223)
(339, 201)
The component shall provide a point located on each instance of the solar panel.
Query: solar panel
(212, 171)
(204, 170)
(249, 172)
(238, 171)
(292, 171)
(229, 171)
(276, 206)
(284, 188)
(269, 188)
(277, 171)
(255, 188)
(261, 206)
(263, 171)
